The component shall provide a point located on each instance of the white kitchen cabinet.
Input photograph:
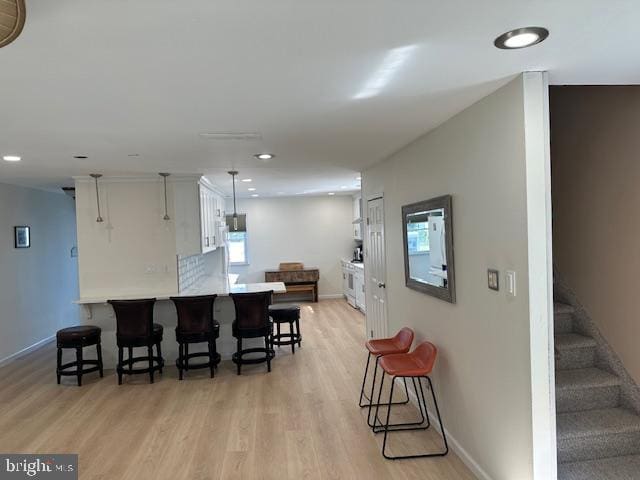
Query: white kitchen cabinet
(357, 217)
(198, 213)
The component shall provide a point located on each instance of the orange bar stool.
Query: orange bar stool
(416, 365)
(400, 343)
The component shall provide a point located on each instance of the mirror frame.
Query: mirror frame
(444, 202)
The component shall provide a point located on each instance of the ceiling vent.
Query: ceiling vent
(241, 136)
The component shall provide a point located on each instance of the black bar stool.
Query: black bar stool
(78, 338)
(196, 325)
(286, 313)
(252, 321)
(135, 328)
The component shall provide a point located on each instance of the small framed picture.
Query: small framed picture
(22, 236)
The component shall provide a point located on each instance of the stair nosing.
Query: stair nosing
(582, 341)
(607, 380)
(601, 430)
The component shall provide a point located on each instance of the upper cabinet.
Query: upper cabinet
(200, 216)
(357, 217)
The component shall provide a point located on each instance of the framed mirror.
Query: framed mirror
(428, 247)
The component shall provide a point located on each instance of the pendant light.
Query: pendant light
(233, 174)
(166, 211)
(96, 176)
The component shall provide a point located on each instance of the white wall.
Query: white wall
(483, 376)
(316, 231)
(37, 284)
(133, 252)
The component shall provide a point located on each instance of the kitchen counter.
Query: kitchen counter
(218, 285)
(355, 264)
(99, 313)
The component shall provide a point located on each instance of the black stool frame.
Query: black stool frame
(293, 335)
(369, 398)
(125, 366)
(422, 405)
(182, 362)
(252, 321)
(61, 368)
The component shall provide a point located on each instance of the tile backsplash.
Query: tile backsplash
(191, 270)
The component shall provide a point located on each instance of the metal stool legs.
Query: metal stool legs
(422, 404)
(369, 398)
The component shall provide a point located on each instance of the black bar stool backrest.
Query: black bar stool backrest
(134, 318)
(252, 310)
(195, 314)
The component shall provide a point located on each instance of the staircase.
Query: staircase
(598, 438)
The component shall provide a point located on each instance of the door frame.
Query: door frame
(365, 242)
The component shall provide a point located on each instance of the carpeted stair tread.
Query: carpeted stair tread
(585, 378)
(559, 308)
(566, 341)
(612, 468)
(596, 422)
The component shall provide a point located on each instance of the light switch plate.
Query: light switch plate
(510, 280)
(493, 279)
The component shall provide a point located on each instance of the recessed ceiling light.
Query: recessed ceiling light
(521, 38)
(12, 158)
(80, 157)
(251, 189)
(331, 193)
(247, 180)
(255, 195)
(264, 156)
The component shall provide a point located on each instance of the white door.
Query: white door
(375, 270)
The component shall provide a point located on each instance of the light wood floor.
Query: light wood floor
(300, 421)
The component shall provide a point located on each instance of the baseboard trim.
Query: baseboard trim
(454, 445)
(25, 351)
(330, 297)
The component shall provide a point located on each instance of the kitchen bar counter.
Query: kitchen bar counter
(210, 285)
(98, 312)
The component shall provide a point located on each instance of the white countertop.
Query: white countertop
(355, 264)
(218, 285)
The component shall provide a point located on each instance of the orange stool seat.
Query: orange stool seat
(418, 363)
(400, 343)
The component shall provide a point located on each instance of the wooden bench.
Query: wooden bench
(296, 278)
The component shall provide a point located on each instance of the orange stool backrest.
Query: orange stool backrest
(404, 338)
(425, 355)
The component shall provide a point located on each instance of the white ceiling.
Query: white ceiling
(112, 78)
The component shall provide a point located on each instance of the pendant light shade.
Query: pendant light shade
(95, 177)
(235, 225)
(166, 210)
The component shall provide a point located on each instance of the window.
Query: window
(418, 237)
(238, 251)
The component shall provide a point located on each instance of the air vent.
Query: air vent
(242, 136)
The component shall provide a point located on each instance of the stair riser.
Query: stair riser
(577, 400)
(600, 446)
(563, 323)
(576, 358)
